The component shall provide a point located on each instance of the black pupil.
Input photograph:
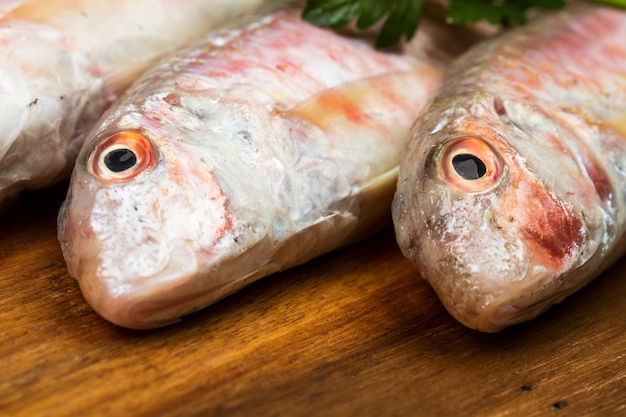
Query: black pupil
(120, 160)
(469, 166)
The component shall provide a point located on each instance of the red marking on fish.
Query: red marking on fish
(598, 177)
(548, 225)
(498, 106)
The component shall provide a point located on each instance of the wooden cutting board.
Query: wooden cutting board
(353, 333)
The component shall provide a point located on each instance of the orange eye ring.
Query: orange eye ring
(121, 157)
(469, 164)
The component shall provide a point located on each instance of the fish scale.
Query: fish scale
(542, 107)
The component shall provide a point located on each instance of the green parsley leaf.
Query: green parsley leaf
(616, 3)
(401, 20)
(511, 12)
(401, 17)
(461, 11)
(371, 13)
(333, 13)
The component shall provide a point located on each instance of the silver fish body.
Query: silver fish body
(63, 62)
(512, 190)
(255, 150)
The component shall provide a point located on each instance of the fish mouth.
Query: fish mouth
(501, 313)
(508, 313)
(150, 301)
(493, 310)
(488, 298)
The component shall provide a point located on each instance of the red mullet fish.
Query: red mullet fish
(512, 189)
(254, 150)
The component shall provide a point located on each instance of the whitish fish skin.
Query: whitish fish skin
(512, 189)
(254, 150)
(63, 62)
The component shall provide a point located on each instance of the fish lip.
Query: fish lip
(130, 311)
(510, 312)
(532, 294)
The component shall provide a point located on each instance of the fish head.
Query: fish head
(496, 229)
(146, 215)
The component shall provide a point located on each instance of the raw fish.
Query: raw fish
(512, 190)
(257, 149)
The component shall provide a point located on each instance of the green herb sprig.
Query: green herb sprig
(401, 17)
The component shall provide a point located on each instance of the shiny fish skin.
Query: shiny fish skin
(258, 149)
(63, 62)
(543, 108)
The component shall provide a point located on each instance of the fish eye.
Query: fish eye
(121, 156)
(119, 160)
(469, 164)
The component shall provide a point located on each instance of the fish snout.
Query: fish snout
(496, 258)
(140, 300)
(470, 256)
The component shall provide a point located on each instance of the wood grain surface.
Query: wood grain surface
(353, 333)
